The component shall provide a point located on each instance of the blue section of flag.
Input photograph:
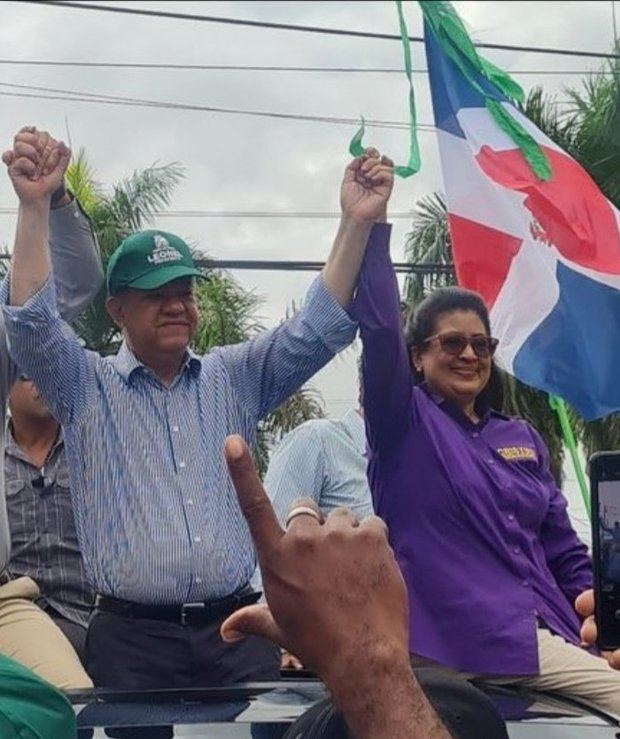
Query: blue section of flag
(450, 90)
(575, 351)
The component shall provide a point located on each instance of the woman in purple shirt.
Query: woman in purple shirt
(480, 530)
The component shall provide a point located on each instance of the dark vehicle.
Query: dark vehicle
(266, 710)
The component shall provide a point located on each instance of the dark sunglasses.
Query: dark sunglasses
(454, 343)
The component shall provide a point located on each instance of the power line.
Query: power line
(87, 97)
(278, 265)
(295, 27)
(319, 215)
(259, 68)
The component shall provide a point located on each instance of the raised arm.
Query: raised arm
(36, 166)
(76, 261)
(364, 193)
(386, 373)
(276, 363)
(41, 343)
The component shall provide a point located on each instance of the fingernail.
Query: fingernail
(233, 636)
(234, 447)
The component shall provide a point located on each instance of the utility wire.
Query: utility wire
(319, 215)
(258, 68)
(87, 97)
(295, 27)
(278, 265)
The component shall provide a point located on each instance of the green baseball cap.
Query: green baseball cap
(147, 260)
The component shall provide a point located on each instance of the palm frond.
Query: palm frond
(227, 312)
(83, 183)
(137, 198)
(596, 110)
(428, 242)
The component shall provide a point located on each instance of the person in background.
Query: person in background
(336, 597)
(27, 634)
(44, 543)
(478, 525)
(326, 460)
(163, 540)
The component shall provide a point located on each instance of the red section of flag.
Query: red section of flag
(570, 211)
(482, 256)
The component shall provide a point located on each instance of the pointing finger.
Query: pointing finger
(255, 505)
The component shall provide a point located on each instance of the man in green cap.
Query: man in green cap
(162, 536)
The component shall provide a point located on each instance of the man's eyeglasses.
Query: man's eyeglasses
(454, 343)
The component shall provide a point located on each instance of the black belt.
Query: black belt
(186, 613)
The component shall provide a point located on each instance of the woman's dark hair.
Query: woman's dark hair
(421, 323)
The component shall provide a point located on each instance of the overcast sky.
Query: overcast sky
(245, 163)
(253, 164)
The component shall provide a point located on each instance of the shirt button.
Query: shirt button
(475, 434)
(197, 580)
(175, 429)
(511, 517)
(181, 464)
(197, 539)
(490, 460)
(516, 550)
(526, 583)
(190, 502)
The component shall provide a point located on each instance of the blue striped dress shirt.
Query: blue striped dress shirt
(324, 460)
(156, 514)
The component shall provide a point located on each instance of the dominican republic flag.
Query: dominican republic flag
(545, 255)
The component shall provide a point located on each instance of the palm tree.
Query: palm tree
(227, 311)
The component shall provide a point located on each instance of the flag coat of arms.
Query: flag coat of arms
(545, 255)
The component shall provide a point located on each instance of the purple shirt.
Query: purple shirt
(479, 528)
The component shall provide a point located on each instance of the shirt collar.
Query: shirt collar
(127, 364)
(14, 450)
(354, 426)
(453, 410)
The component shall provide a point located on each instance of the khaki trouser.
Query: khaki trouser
(571, 671)
(30, 637)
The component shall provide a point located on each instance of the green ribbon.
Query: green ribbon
(456, 44)
(559, 406)
(356, 147)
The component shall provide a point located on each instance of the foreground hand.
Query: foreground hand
(584, 605)
(367, 186)
(335, 595)
(36, 164)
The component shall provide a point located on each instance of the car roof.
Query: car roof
(236, 711)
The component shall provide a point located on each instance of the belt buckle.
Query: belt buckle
(187, 609)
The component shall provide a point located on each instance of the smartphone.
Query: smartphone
(605, 497)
